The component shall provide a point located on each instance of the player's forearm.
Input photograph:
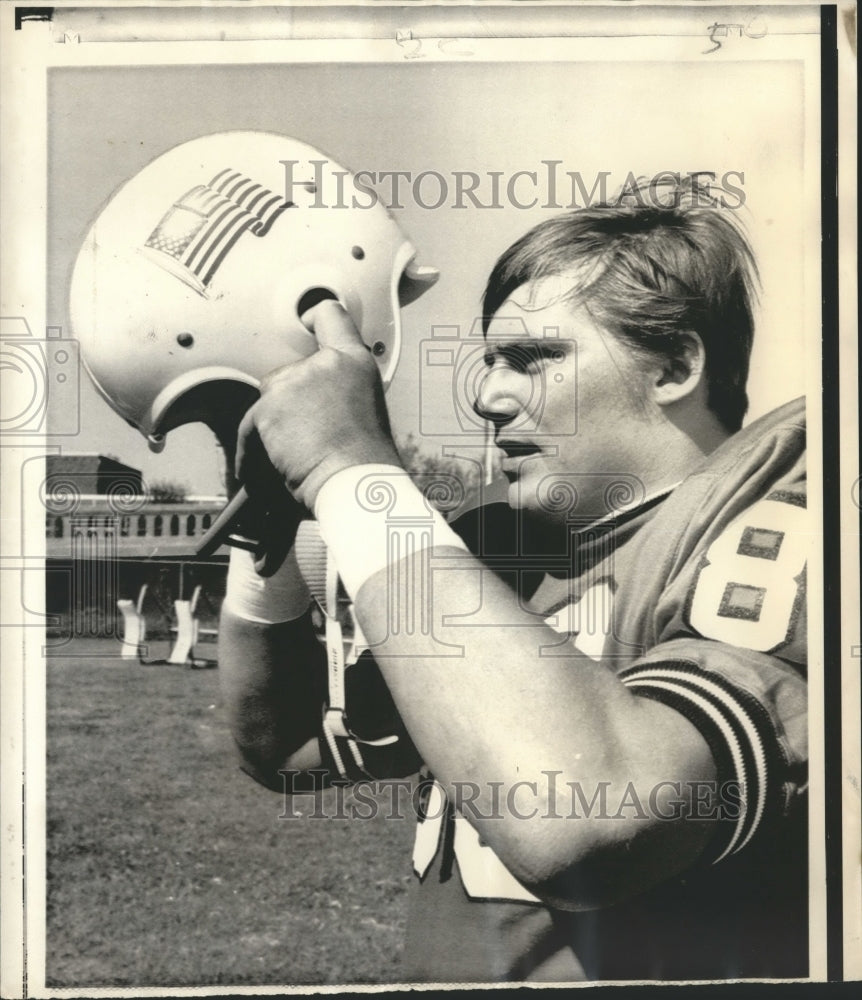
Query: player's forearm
(492, 699)
(270, 667)
(270, 682)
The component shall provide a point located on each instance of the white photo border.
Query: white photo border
(32, 50)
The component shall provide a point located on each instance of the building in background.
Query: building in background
(106, 536)
(96, 474)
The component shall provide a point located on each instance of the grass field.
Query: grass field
(167, 865)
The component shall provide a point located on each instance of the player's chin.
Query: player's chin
(523, 495)
(540, 501)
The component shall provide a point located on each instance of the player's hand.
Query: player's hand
(265, 514)
(322, 414)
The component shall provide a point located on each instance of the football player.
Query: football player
(605, 680)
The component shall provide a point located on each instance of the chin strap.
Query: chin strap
(321, 576)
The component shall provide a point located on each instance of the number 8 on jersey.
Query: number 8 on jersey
(749, 589)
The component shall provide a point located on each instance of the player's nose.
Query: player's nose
(496, 397)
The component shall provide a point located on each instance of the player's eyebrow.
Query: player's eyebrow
(527, 346)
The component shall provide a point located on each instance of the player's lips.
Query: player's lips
(514, 453)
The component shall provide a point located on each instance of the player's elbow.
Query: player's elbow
(299, 772)
(259, 772)
(587, 851)
(585, 864)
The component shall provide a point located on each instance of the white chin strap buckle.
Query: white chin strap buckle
(335, 719)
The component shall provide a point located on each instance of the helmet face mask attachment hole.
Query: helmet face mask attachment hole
(185, 340)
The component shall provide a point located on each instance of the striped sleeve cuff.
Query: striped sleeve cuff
(738, 731)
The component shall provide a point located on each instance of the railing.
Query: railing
(129, 526)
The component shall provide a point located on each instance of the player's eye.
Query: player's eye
(521, 357)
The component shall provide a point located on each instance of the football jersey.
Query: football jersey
(695, 599)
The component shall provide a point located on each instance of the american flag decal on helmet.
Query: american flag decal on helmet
(199, 230)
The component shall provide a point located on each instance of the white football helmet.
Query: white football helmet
(193, 277)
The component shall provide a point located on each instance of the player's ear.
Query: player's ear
(680, 374)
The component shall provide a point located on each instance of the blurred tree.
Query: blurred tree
(165, 491)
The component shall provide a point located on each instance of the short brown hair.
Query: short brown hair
(649, 270)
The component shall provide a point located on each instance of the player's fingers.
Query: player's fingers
(254, 468)
(330, 322)
(246, 440)
(276, 375)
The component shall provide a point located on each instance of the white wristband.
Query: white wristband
(371, 516)
(281, 597)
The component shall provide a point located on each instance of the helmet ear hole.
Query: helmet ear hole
(311, 298)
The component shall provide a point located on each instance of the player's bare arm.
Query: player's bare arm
(272, 667)
(271, 685)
